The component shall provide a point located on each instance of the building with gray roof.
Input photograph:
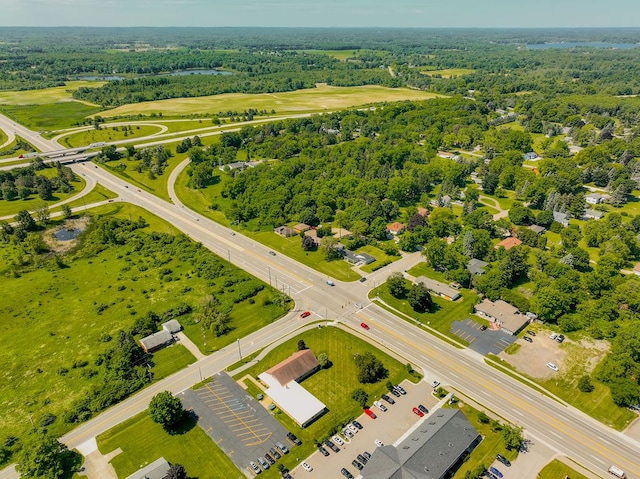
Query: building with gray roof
(172, 326)
(434, 450)
(158, 469)
(476, 266)
(156, 341)
(443, 290)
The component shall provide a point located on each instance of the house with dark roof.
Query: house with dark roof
(435, 449)
(285, 231)
(172, 326)
(508, 317)
(476, 266)
(508, 243)
(357, 258)
(443, 290)
(156, 341)
(158, 469)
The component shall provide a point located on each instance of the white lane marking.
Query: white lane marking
(599, 460)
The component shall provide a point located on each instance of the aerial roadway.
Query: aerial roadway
(562, 427)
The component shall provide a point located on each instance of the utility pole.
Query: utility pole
(239, 351)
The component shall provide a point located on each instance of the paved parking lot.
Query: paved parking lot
(241, 427)
(483, 342)
(389, 427)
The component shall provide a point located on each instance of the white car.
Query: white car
(306, 467)
(434, 384)
(338, 440)
(553, 336)
(380, 406)
(379, 443)
(552, 366)
(347, 432)
(352, 428)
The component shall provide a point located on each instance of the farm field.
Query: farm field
(341, 55)
(448, 73)
(322, 98)
(46, 95)
(49, 116)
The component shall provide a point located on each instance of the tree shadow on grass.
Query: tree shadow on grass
(71, 463)
(187, 423)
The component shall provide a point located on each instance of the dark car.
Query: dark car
(388, 399)
(357, 424)
(366, 455)
(483, 328)
(362, 459)
(286, 475)
(503, 460)
(528, 339)
(268, 457)
(292, 437)
(357, 465)
(423, 409)
(531, 332)
(400, 389)
(395, 393)
(274, 453)
(495, 472)
(323, 451)
(363, 279)
(329, 443)
(346, 473)
(560, 338)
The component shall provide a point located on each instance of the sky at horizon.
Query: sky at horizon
(325, 13)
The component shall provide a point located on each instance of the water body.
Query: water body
(67, 234)
(97, 78)
(198, 71)
(546, 46)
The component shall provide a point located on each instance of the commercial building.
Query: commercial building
(508, 317)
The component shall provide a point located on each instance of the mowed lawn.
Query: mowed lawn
(33, 201)
(108, 134)
(142, 441)
(332, 386)
(322, 98)
(97, 194)
(448, 72)
(556, 469)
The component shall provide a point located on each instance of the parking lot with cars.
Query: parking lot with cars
(387, 428)
(481, 340)
(243, 429)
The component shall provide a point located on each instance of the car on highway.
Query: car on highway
(357, 465)
(306, 467)
(323, 451)
(362, 459)
(354, 429)
(272, 253)
(418, 412)
(423, 408)
(388, 399)
(346, 473)
(294, 439)
(380, 406)
(357, 424)
(531, 332)
(370, 413)
(495, 472)
(379, 443)
(552, 366)
(306, 314)
(329, 443)
(528, 339)
(400, 389)
(503, 460)
(365, 326)
(338, 440)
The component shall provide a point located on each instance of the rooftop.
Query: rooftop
(508, 243)
(507, 315)
(156, 340)
(296, 366)
(477, 266)
(438, 287)
(158, 469)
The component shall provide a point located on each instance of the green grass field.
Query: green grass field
(97, 194)
(3, 137)
(332, 386)
(323, 98)
(142, 441)
(109, 134)
(557, 470)
(51, 116)
(5, 152)
(46, 95)
(448, 72)
(57, 321)
(380, 256)
(12, 207)
(341, 55)
(169, 360)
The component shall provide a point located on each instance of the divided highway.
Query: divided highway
(563, 428)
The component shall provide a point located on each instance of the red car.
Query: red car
(364, 326)
(305, 314)
(371, 414)
(418, 411)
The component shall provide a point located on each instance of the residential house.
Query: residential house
(341, 233)
(313, 234)
(532, 155)
(358, 258)
(395, 228)
(594, 198)
(537, 229)
(423, 211)
(301, 228)
(158, 469)
(503, 314)
(285, 231)
(443, 290)
(172, 326)
(156, 341)
(477, 266)
(590, 214)
(434, 449)
(562, 218)
(237, 165)
(508, 243)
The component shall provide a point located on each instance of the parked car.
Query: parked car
(552, 366)
(495, 471)
(531, 332)
(380, 406)
(338, 440)
(346, 473)
(323, 451)
(306, 314)
(528, 339)
(366, 455)
(294, 439)
(423, 409)
(286, 475)
(274, 453)
(268, 457)
(400, 389)
(306, 467)
(370, 413)
(357, 424)
(379, 443)
(364, 326)
(553, 336)
(395, 393)
(503, 460)
(357, 465)
(329, 443)
(418, 412)
(434, 384)
(282, 448)
(263, 462)
(255, 467)
(388, 399)
(347, 432)
(353, 428)
(362, 459)
(560, 338)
